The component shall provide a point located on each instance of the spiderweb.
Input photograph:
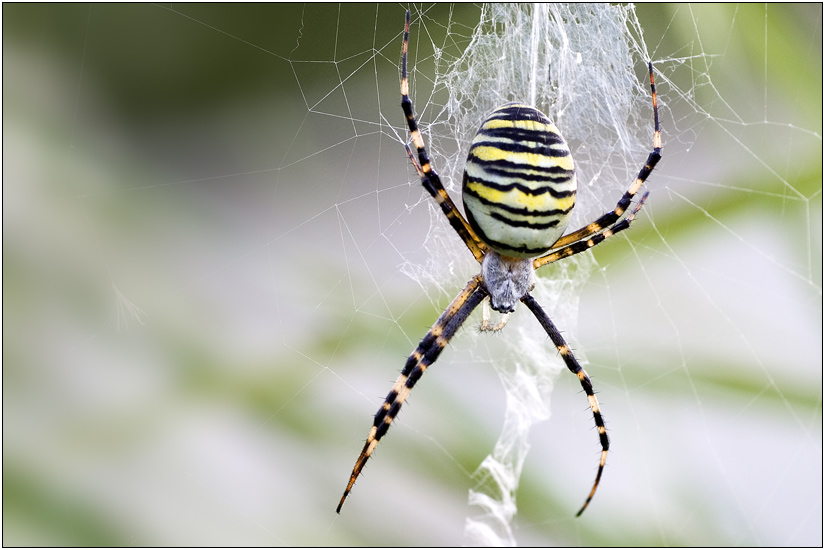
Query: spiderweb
(217, 258)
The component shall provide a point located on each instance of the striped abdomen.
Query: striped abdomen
(519, 183)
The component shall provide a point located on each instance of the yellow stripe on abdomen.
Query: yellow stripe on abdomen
(519, 182)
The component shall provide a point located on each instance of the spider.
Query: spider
(518, 191)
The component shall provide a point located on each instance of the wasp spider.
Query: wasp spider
(519, 190)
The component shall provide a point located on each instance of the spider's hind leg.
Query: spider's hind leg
(429, 178)
(607, 220)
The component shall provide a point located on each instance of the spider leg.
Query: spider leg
(424, 355)
(611, 217)
(429, 178)
(581, 246)
(575, 368)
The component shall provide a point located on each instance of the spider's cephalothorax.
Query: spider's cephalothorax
(519, 190)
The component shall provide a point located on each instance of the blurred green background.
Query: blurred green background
(232, 171)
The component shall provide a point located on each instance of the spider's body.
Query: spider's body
(519, 190)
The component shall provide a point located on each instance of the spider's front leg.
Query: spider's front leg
(424, 355)
(587, 386)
